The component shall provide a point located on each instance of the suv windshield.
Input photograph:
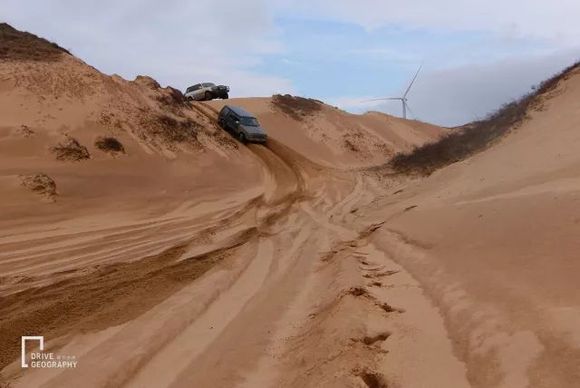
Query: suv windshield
(249, 121)
(208, 84)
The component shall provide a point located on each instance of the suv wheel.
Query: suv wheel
(207, 96)
(225, 96)
(242, 137)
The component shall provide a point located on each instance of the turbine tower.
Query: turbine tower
(403, 99)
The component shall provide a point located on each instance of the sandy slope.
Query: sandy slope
(187, 259)
(495, 241)
(298, 300)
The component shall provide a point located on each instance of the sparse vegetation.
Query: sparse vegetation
(372, 379)
(23, 46)
(70, 150)
(474, 137)
(168, 97)
(350, 145)
(25, 131)
(172, 98)
(296, 107)
(39, 183)
(170, 129)
(110, 145)
(147, 81)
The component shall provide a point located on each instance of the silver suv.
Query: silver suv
(206, 91)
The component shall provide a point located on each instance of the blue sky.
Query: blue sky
(476, 54)
(326, 59)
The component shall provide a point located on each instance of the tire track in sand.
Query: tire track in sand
(147, 275)
(167, 364)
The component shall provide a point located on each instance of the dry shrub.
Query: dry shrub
(25, 131)
(373, 379)
(108, 119)
(70, 150)
(350, 145)
(474, 137)
(171, 98)
(23, 46)
(168, 97)
(109, 144)
(296, 107)
(170, 129)
(147, 81)
(39, 183)
(225, 141)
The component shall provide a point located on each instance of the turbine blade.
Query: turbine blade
(413, 81)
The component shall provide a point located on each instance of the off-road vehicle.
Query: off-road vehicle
(206, 91)
(241, 124)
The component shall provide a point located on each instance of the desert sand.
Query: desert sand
(138, 236)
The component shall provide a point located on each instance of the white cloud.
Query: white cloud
(459, 95)
(355, 104)
(555, 21)
(176, 42)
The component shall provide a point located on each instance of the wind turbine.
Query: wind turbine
(403, 99)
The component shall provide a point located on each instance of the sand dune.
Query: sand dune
(494, 240)
(184, 259)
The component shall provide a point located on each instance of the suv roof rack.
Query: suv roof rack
(240, 111)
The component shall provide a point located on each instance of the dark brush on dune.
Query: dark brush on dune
(296, 107)
(23, 46)
(109, 144)
(373, 379)
(476, 136)
(172, 98)
(169, 129)
(167, 97)
(70, 150)
(39, 183)
(174, 130)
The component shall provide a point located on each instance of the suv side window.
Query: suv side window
(232, 117)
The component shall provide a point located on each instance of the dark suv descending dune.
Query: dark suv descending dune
(242, 124)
